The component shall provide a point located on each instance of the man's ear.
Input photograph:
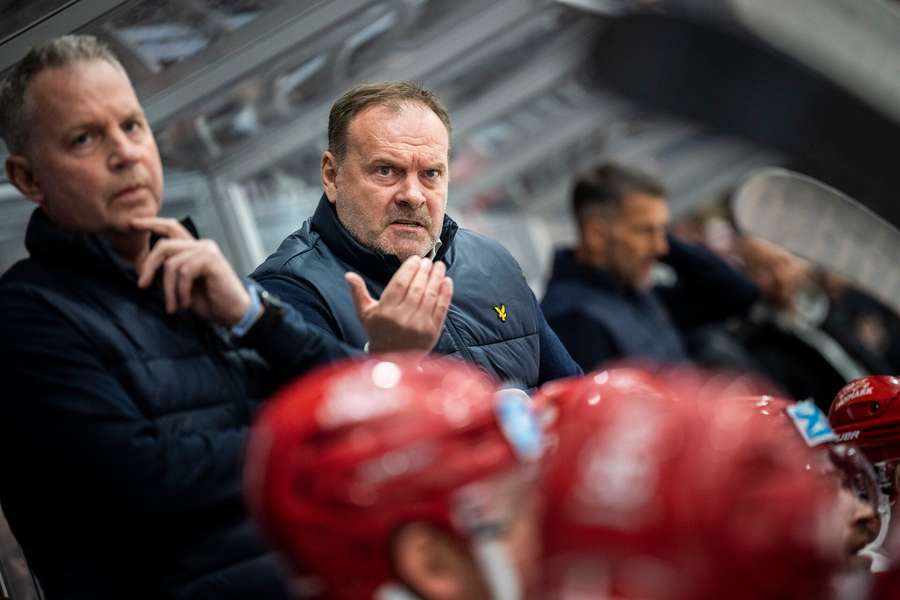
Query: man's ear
(21, 175)
(329, 175)
(595, 234)
(429, 562)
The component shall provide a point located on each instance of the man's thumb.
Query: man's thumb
(361, 298)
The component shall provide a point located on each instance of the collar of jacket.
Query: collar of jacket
(567, 266)
(79, 250)
(373, 264)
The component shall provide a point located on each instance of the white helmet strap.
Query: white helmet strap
(496, 567)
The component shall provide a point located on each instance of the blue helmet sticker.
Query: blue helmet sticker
(811, 422)
(519, 423)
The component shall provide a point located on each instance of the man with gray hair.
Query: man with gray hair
(385, 176)
(133, 357)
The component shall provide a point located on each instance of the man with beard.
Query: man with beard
(386, 174)
(602, 298)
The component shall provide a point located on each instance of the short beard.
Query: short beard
(355, 226)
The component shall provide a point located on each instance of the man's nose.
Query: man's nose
(865, 512)
(123, 150)
(411, 191)
(661, 243)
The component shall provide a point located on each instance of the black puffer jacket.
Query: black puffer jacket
(122, 429)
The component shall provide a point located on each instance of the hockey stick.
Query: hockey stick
(821, 224)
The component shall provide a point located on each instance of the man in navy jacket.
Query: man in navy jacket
(132, 357)
(386, 176)
(600, 299)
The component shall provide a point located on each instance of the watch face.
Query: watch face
(271, 302)
(272, 311)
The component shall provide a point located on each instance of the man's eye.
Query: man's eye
(433, 173)
(81, 140)
(384, 170)
(130, 126)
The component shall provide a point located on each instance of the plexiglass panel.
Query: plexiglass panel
(513, 51)
(162, 34)
(19, 14)
(495, 141)
(283, 196)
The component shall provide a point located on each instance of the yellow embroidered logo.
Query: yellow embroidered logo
(501, 312)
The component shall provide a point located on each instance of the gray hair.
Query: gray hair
(56, 53)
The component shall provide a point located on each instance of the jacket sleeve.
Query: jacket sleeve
(293, 345)
(306, 301)
(708, 288)
(555, 360)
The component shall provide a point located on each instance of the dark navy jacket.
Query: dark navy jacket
(598, 319)
(308, 270)
(122, 429)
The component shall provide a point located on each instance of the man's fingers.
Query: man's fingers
(361, 298)
(176, 286)
(151, 264)
(442, 304)
(160, 253)
(174, 273)
(168, 255)
(167, 228)
(398, 286)
(416, 290)
(187, 270)
(432, 288)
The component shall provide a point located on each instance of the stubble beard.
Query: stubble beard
(356, 225)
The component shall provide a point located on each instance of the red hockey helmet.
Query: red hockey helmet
(866, 412)
(340, 459)
(562, 396)
(648, 497)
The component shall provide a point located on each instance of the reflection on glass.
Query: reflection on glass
(509, 54)
(19, 14)
(373, 39)
(165, 33)
(283, 196)
(497, 139)
(299, 85)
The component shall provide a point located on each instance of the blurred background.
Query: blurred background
(697, 92)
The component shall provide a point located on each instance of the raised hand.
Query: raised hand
(410, 314)
(195, 275)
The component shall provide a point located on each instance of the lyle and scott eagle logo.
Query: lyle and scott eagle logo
(501, 312)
